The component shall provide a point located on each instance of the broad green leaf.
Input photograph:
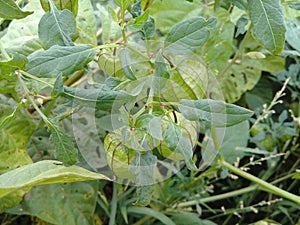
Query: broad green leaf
(69, 203)
(101, 98)
(268, 23)
(213, 113)
(17, 61)
(9, 10)
(14, 138)
(188, 35)
(59, 59)
(71, 5)
(169, 12)
(21, 36)
(125, 61)
(13, 141)
(229, 139)
(178, 143)
(142, 168)
(292, 33)
(43, 172)
(151, 212)
(65, 149)
(86, 23)
(241, 77)
(57, 27)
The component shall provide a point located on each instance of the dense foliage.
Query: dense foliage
(149, 112)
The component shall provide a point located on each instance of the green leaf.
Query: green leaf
(292, 33)
(125, 60)
(166, 13)
(13, 142)
(17, 61)
(151, 212)
(69, 203)
(65, 149)
(43, 172)
(268, 23)
(86, 23)
(142, 168)
(213, 113)
(59, 59)
(180, 144)
(21, 36)
(58, 87)
(57, 27)
(188, 35)
(229, 139)
(101, 98)
(9, 10)
(297, 175)
(241, 77)
(71, 5)
(137, 23)
(148, 29)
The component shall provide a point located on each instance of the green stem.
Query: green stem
(217, 197)
(113, 206)
(35, 78)
(263, 184)
(32, 101)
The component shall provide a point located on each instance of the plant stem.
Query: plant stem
(217, 197)
(263, 184)
(35, 78)
(32, 101)
(113, 206)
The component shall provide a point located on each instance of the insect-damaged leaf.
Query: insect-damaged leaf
(57, 27)
(268, 23)
(9, 10)
(213, 113)
(59, 59)
(188, 34)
